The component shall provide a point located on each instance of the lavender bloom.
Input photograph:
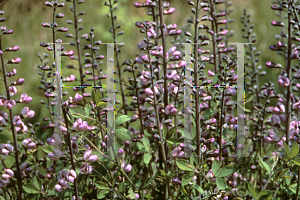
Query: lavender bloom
(283, 81)
(27, 113)
(25, 99)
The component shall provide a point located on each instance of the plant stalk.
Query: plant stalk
(17, 158)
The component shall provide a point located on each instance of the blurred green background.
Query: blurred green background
(25, 18)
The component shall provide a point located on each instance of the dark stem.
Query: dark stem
(221, 125)
(213, 37)
(78, 46)
(298, 184)
(71, 153)
(198, 131)
(139, 109)
(289, 73)
(94, 78)
(164, 55)
(161, 23)
(163, 153)
(117, 59)
(18, 175)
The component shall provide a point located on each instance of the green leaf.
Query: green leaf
(293, 188)
(193, 158)
(77, 112)
(122, 187)
(174, 140)
(101, 185)
(150, 181)
(225, 171)
(9, 161)
(120, 120)
(37, 183)
(184, 165)
(249, 97)
(140, 146)
(101, 104)
(96, 96)
(208, 113)
(87, 111)
(221, 183)
(2, 198)
(147, 158)
(187, 178)
(197, 187)
(48, 149)
(216, 79)
(123, 134)
(296, 160)
(102, 194)
(29, 188)
(266, 193)
(252, 189)
(265, 165)
(146, 143)
(185, 133)
(40, 154)
(286, 148)
(215, 166)
(247, 110)
(294, 150)
(131, 194)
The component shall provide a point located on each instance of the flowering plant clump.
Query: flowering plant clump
(161, 123)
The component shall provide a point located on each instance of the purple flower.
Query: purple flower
(296, 106)
(128, 168)
(273, 65)
(68, 53)
(283, 81)
(13, 48)
(87, 154)
(170, 110)
(210, 73)
(25, 98)
(51, 156)
(176, 181)
(9, 104)
(62, 29)
(31, 145)
(121, 151)
(14, 61)
(176, 151)
(27, 113)
(276, 23)
(169, 11)
(77, 98)
(92, 158)
(9, 172)
(59, 188)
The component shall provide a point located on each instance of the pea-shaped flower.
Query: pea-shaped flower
(170, 110)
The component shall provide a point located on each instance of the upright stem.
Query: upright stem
(154, 18)
(165, 149)
(17, 158)
(164, 157)
(71, 154)
(117, 59)
(94, 78)
(289, 73)
(213, 37)
(164, 55)
(78, 46)
(198, 131)
(139, 109)
(221, 125)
